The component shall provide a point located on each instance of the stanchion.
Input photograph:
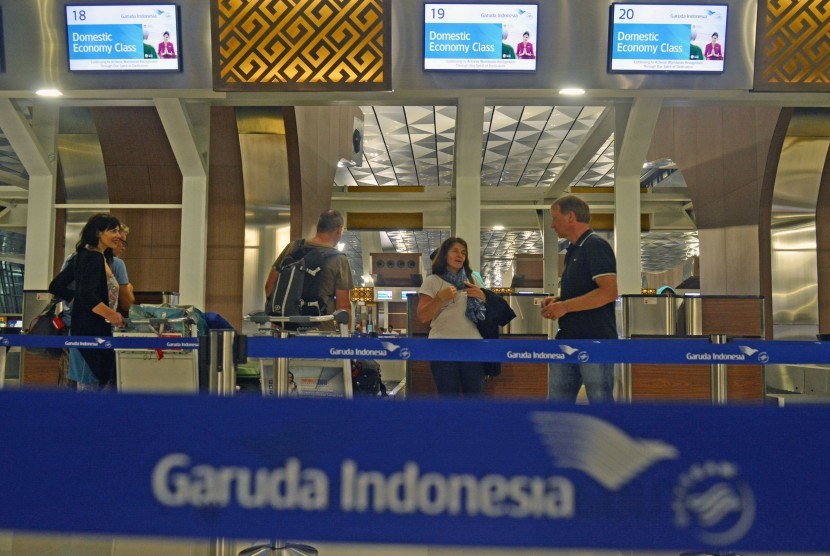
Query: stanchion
(280, 547)
(626, 392)
(710, 554)
(719, 374)
(3, 353)
(222, 382)
(228, 369)
(222, 367)
(281, 371)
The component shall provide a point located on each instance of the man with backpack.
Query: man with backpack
(322, 271)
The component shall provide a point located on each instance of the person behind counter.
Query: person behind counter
(95, 302)
(452, 302)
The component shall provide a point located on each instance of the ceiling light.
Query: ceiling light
(48, 93)
(572, 91)
(498, 227)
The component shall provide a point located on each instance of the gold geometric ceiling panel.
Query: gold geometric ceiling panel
(793, 46)
(301, 45)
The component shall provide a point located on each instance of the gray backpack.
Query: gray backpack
(296, 291)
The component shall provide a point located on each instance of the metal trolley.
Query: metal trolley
(312, 377)
(277, 384)
(150, 370)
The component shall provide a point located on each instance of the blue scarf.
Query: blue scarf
(475, 307)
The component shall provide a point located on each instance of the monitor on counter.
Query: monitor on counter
(480, 37)
(385, 295)
(406, 293)
(667, 38)
(135, 37)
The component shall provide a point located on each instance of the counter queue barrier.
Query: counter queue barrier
(448, 472)
(717, 350)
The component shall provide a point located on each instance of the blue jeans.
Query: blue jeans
(565, 380)
(452, 377)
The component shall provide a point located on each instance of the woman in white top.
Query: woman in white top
(452, 302)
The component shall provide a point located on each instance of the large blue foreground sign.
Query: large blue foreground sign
(449, 473)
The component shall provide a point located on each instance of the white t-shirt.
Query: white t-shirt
(451, 321)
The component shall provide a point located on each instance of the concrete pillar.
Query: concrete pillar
(550, 248)
(193, 258)
(36, 147)
(467, 178)
(635, 127)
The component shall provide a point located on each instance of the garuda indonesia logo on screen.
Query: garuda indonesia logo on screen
(710, 499)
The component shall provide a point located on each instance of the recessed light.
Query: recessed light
(48, 93)
(498, 227)
(571, 91)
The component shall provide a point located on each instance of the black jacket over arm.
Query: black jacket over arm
(498, 314)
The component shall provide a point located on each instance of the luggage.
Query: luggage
(366, 378)
(296, 292)
(172, 312)
(47, 323)
(162, 370)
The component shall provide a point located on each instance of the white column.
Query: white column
(36, 147)
(193, 258)
(550, 250)
(369, 243)
(467, 176)
(635, 127)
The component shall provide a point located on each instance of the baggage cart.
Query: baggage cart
(312, 378)
(318, 377)
(159, 371)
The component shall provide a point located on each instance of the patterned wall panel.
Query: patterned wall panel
(792, 51)
(301, 45)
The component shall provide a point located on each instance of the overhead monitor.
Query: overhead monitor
(480, 37)
(668, 38)
(135, 37)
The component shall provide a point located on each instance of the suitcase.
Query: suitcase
(172, 312)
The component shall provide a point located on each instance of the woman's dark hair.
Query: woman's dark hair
(439, 263)
(96, 224)
(715, 35)
(526, 34)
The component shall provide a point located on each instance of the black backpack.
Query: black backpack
(296, 291)
(366, 379)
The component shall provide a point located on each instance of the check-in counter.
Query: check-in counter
(679, 317)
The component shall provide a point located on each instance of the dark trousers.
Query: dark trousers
(102, 364)
(455, 377)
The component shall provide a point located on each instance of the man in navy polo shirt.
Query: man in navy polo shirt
(585, 304)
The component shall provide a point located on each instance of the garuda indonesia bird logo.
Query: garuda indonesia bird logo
(389, 346)
(598, 448)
